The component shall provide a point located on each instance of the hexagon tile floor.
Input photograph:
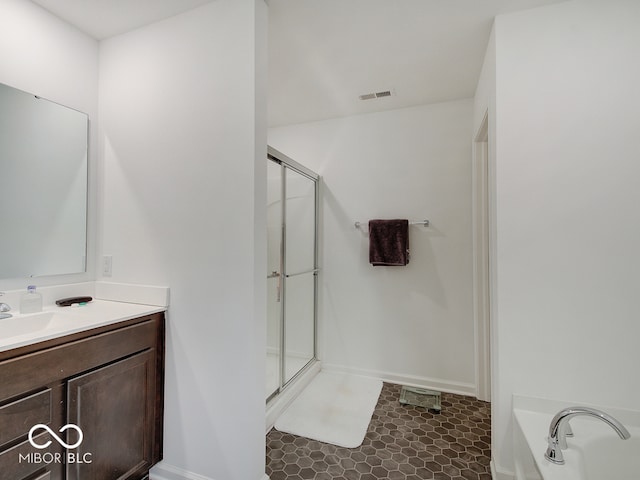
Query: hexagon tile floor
(402, 443)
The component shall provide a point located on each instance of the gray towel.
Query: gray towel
(389, 242)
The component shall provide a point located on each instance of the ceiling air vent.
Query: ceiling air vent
(371, 96)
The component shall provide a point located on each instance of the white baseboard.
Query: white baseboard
(499, 474)
(164, 471)
(459, 388)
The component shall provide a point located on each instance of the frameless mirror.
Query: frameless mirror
(43, 186)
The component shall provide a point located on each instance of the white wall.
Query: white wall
(415, 323)
(183, 138)
(44, 56)
(567, 160)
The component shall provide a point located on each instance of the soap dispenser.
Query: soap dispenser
(31, 302)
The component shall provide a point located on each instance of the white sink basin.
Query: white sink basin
(31, 323)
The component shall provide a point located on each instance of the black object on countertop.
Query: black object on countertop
(66, 302)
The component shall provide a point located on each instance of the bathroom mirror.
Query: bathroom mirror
(43, 186)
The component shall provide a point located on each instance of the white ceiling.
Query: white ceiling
(106, 18)
(323, 54)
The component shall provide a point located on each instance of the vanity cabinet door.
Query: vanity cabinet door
(114, 406)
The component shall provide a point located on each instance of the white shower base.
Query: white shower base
(280, 402)
(293, 364)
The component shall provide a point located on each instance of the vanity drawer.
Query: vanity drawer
(18, 416)
(18, 462)
(28, 372)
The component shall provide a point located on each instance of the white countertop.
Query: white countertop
(54, 321)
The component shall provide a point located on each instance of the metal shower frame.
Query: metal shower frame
(288, 163)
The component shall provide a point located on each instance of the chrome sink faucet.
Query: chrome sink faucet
(4, 308)
(559, 429)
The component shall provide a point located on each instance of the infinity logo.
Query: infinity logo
(58, 439)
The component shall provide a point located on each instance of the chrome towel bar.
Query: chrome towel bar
(424, 223)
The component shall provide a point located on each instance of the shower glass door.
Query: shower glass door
(292, 270)
(300, 272)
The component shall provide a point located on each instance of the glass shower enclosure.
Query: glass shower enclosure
(292, 276)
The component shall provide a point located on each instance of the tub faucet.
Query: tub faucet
(4, 308)
(559, 428)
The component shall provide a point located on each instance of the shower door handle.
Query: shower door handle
(278, 288)
(277, 275)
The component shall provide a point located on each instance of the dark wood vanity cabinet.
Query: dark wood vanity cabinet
(106, 383)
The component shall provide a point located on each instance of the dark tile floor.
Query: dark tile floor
(402, 443)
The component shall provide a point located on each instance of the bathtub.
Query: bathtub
(595, 452)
